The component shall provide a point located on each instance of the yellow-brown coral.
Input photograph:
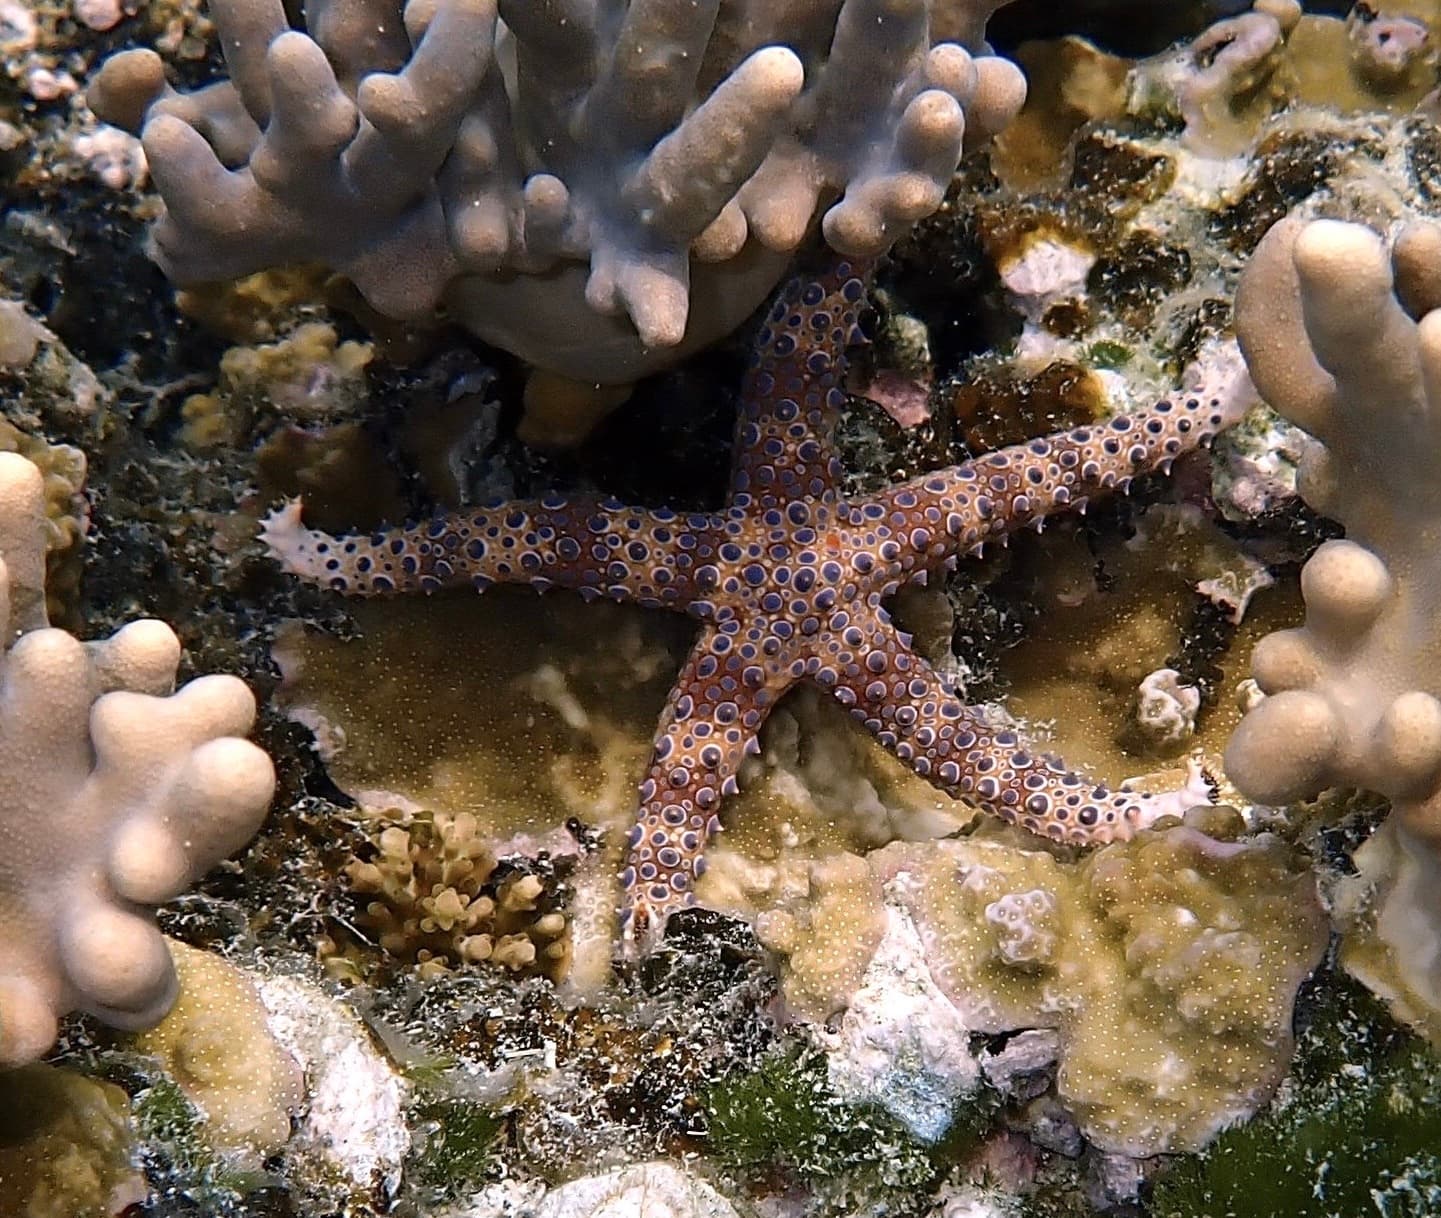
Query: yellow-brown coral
(67, 1148)
(62, 466)
(442, 902)
(215, 1044)
(1169, 963)
(310, 374)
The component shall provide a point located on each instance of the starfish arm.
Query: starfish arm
(792, 394)
(599, 547)
(904, 702)
(716, 707)
(941, 514)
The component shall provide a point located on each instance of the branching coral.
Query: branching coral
(593, 186)
(118, 791)
(439, 900)
(1346, 343)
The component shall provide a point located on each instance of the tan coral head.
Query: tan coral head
(119, 792)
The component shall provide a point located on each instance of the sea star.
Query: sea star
(788, 582)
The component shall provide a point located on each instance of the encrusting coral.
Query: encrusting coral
(597, 188)
(119, 790)
(215, 1044)
(1345, 341)
(788, 580)
(1215, 80)
(1184, 945)
(67, 1146)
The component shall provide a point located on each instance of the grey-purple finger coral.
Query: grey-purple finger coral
(1343, 337)
(597, 188)
(119, 790)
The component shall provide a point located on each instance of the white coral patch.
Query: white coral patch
(901, 1043)
(355, 1116)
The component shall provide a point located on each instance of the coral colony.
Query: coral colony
(644, 156)
(428, 262)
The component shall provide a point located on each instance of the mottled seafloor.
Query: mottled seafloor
(330, 1057)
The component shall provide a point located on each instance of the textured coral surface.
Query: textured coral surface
(1185, 947)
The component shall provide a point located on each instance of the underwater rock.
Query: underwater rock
(1166, 708)
(969, 1201)
(353, 1126)
(644, 1190)
(901, 1045)
(20, 335)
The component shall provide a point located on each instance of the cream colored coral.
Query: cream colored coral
(216, 1046)
(1344, 339)
(824, 969)
(599, 189)
(117, 792)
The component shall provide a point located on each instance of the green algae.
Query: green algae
(1356, 1131)
(1109, 355)
(784, 1118)
(173, 1131)
(457, 1151)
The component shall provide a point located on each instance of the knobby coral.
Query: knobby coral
(596, 187)
(788, 581)
(118, 791)
(436, 898)
(1346, 343)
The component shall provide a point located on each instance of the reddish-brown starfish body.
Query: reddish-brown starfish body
(788, 582)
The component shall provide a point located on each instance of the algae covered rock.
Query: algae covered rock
(1355, 1131)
